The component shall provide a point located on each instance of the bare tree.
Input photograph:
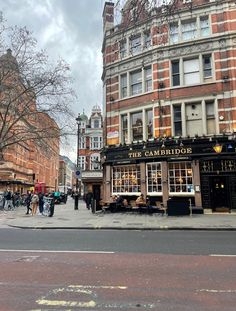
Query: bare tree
(131, 12)
(35, 94)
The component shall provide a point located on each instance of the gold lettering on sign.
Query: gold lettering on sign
(159, 152)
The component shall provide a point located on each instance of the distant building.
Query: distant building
(90, 145)
(25, 163)
(66, 174)
(170, 102)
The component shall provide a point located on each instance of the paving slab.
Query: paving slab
(65, 217)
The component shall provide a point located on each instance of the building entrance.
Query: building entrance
(219, 193)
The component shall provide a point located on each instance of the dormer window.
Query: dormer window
(96, 124)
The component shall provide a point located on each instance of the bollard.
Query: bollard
(93, 206)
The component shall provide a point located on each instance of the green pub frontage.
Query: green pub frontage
(200, 170)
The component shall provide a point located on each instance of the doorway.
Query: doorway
(219, 193)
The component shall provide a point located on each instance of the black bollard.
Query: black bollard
(76, 198)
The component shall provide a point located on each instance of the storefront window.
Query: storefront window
(154, 184)
(180, 177)
(126, 179)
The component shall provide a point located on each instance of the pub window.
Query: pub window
(154, 180)
(175, 73)
(149, 123)
(137, 126)
(210, 117)
(123, 85)
(180, 178)
(207, 67)
(204, 26)
(147, 39)
(177, 120)
(189, 30)
(191, 71)
(135, 44)
(148, 79)
(124, 129)
(136, 82)
(174, 33)
(123, 48)
(126, 179)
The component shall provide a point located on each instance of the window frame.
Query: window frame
(179, 175)
(124, 178)
(154, 178)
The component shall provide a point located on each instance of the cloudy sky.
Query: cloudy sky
(70, 29)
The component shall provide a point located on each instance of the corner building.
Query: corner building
(170, 102)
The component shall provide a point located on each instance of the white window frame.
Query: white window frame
(154, 178)
(95, 162)
(126, 180)
(82, 162)
(180, 178)
(82, 142)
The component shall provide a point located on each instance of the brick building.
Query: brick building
(90, 145)
(170, 102)
(26, 162)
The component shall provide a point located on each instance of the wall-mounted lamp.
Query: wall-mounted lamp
(217, 148)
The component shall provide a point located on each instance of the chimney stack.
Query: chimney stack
(108, 16)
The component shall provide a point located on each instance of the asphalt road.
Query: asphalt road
(161, 242)
(60, 270)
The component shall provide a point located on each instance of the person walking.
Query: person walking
(41, 202)
(28, 202)
(8, 200)
(89, 199)
(34, 203)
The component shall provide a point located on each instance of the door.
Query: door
(219, 192)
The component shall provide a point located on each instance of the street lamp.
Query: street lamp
(76, 197)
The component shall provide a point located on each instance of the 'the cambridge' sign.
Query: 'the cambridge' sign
(159, 152)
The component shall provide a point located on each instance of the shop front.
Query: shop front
(181, 170)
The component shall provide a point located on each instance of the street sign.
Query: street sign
(77, 173)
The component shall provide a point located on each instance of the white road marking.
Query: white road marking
(97, 286)
(53, 251)
(221, 255)
(217, 290)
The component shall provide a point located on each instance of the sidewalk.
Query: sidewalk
(66, 217)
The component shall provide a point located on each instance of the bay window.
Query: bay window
(135, 44)
(180, 178)
(148, 79)
(189, 30)
(126, 179)
(191, 71)
(149, 123)
(154, 178)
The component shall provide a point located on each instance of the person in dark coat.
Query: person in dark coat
(89, 199)
(28, 201)
(41, 202)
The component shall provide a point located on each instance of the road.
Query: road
(117, 270)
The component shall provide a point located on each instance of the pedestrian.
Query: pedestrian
(89, 199)
(28, 202)
(41, 202)
(34, 203)
(76, 199)
(8, 200)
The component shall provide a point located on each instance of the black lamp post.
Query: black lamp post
(76, 197)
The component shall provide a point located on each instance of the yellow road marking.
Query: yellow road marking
(63, 303)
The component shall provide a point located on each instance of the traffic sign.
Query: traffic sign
(77, 173)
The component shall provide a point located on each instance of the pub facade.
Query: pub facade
(170, 103)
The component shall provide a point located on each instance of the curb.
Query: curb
(161, 228)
